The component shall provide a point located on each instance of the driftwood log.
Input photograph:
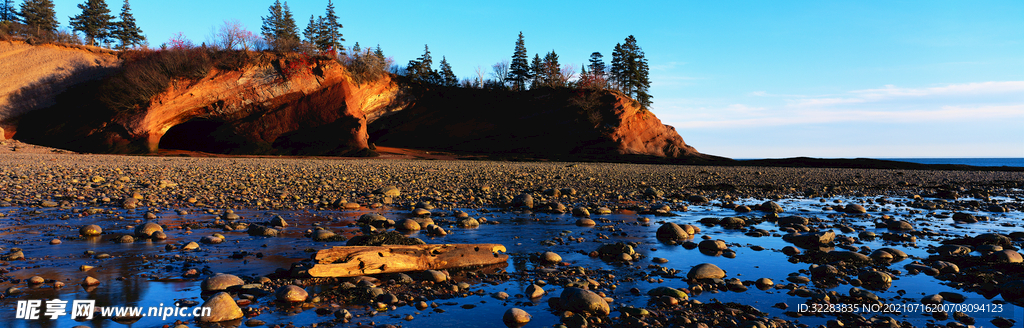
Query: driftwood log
(352, 261)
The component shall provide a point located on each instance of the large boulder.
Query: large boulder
(583, 301)
(222, 308)
(221, 281)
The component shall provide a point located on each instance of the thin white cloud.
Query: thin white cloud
(975, 102)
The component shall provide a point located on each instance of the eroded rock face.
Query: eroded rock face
(541, 122)
(293, 105)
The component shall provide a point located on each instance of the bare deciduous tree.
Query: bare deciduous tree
(500, 71)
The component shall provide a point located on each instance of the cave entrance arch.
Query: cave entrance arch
(205, 135)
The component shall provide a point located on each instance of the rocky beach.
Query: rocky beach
(589, 244)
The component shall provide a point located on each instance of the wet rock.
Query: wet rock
(790, 250)
(222, 308)
(254, 323)
(705, 271)
(221, 281)
(1006, 256)
(278, 221)
(653, 192)
(583, 301)
(964, 217)
(90, 230)
(419, 211)
(515, 317)
(550, 257)
(764, 283)
(55, 241)
(899, 225)
(945, 267)
(953, 250)
(811, 240)
(732, 222)
(159, 235)
(792, 220)
(848, 256)
(435, 276)
(671, 231)
(90, 281)
(323, 235)
(668, 291)
(584, 222)
(36, 280)
(408, 225)
(897, 255)
(468, 223)
(876, 280)
(953, 297)
(770, 207)
(932, 299)
(993, 239)
(615, 251)
(523, 201)
(854, 209)
(603, 210)
(147, 229)
(291, 293)
(881, 256)
(712, 245)
(580, 211)
(125, 239)
(211, 240)
(190, 246)
(534, 291)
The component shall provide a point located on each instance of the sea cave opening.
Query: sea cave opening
(204, 135)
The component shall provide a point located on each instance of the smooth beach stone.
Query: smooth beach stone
(291, 293)
(90, 230)
(705, 271)
(222, 308)
(147, 229)
(515, 316)
(221, 281)
(551, 257)
(534, 291)
(583, 301)
(671, 231)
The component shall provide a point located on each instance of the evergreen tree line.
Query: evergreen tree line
(95, 22)
(628, 73)
(322, 33)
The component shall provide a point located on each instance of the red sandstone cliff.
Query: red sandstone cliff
(293, 104)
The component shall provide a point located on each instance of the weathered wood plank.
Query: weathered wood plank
(351, 261)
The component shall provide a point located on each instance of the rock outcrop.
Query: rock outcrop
(34, 75)
(292, 104)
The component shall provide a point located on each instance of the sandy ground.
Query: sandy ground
(41, 72)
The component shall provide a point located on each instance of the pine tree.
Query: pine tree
(287, 29)
(537, 69)
(39, 15)
(552, 70)
(94, 22)
(379, 53)
(125, 31)
(597, 64)
(448, 77)
(420, 70)
(356, 49)
(519, 70)
(279, 27)
(630, 71)
(615, 73)
(330, 37)
(7, 11)
(312, 31)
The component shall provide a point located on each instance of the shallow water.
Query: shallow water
(522, 234)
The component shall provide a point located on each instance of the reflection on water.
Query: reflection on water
(130, 276)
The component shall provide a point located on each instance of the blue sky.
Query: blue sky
(742, 79)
